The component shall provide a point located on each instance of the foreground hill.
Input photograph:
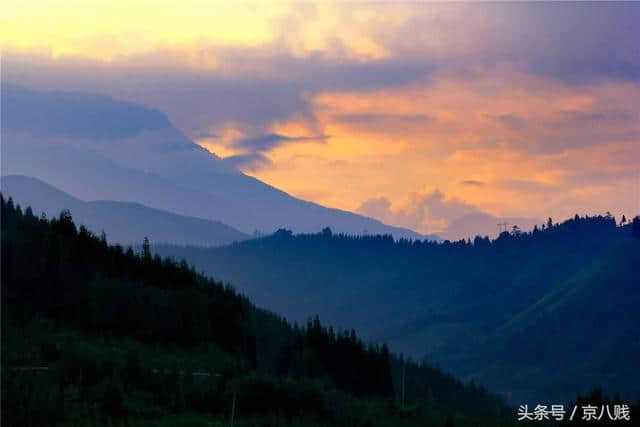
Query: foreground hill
(94, 147)
(585, 331)
(127, 223)
(96, 335)
(505, 312)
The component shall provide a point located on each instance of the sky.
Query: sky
(414, 113)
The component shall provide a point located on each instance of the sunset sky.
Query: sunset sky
(413, 113)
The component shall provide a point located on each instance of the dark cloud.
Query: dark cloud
(574, 42)
(255, 87)
(253, 93)
(567, 129)
(197, 135)
(578, 42)
(577, 129)
(472, 183)
(511, 121)
(595, 118)
(372, 118)
(250, 162)
(586, 71)
(256, 147)
(75, 114)
(269, 141)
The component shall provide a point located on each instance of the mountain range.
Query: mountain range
(126, 222)
(96, 148)
(536, 315)
(94, 333)
(539, 315)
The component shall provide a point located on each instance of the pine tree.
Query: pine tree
(146, 249)
(635, 227)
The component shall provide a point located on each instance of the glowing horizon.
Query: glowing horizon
(412, 113)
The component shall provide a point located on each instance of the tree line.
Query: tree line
(85, 321)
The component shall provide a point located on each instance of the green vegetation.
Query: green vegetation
(537, 316)
(94, 334)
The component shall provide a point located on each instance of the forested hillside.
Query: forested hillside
(94, 334)
(506, 312)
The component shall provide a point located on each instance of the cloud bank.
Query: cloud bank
(518, 109)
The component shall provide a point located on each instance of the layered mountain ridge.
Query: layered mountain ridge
(94, 147)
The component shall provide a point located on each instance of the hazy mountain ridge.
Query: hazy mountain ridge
(75, 114)
(92, 331)
(151, 163)
(444, 301)
(126, 222)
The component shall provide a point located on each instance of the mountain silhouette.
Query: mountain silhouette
(94, 147)
(126, 222)
(499, 312)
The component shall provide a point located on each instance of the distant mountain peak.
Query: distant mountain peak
(75, 114)
(59, 137)
(123, 222)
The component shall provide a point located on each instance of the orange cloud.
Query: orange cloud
(530, 139)
(402, 99)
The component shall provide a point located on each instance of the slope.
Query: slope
(586, 328)
(440, 301)
(92, 334)
(128, 223)
(94, 147)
